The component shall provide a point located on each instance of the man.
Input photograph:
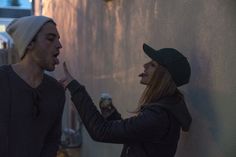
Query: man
(31, 102)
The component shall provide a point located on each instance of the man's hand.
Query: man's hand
(68, 77)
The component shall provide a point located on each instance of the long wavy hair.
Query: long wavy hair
(160, 85)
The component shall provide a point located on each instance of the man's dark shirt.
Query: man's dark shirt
(30, 118)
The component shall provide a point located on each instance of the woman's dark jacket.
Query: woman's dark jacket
(154, 132)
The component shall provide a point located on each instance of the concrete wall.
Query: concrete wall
(102, 44)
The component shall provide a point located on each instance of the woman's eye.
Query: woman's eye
(153, 65)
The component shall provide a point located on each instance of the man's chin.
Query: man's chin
(50, 69)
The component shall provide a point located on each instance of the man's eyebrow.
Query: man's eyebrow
(52, 34)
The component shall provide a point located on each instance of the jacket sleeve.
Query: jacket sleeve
(52, 141)
(150, 124)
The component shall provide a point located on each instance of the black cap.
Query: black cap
(176, 63)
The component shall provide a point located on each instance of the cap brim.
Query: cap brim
(150, 52)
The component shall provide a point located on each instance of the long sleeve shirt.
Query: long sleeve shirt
(30, 118)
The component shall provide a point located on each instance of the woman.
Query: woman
(154, 131)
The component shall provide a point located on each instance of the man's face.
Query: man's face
(46, 47)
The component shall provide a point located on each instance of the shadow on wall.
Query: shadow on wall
(205, 126)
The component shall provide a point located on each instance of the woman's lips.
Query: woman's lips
(142, 75)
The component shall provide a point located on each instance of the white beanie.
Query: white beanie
(24, 29)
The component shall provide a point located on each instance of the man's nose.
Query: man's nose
(59, 46)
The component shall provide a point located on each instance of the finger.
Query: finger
(65, 68)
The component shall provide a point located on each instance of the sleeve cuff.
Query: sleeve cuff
(73, 86)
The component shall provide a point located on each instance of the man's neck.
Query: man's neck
(30, 72)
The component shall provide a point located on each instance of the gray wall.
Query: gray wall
(103, 48)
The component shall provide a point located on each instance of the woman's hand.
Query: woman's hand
(68, 77)
(106, 107)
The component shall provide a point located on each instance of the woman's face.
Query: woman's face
(149, 70)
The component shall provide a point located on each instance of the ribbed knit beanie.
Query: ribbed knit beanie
(24, 29)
